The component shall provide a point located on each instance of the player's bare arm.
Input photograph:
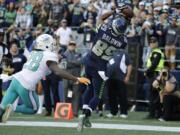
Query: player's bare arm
(104, 17)
(53, 66)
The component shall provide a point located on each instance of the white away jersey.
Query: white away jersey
(35, 68)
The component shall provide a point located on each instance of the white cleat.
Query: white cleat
(161, 120)
(124, 116)
(110, 115)
(40, 111)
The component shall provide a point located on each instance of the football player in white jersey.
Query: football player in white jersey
(42, 60)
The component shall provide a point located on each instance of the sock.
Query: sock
(87, 112)
(41, 100)
(15, 104)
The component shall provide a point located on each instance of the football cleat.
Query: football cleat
(81, 122)
(110, 115)
(87, 122)
(124, 116)
(7, 113)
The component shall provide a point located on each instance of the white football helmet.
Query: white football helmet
(45, 42)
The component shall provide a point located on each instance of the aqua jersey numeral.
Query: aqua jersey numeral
(103, 50)
(34, 61)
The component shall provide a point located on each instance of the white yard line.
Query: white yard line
(95, 125)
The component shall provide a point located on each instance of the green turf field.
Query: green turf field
(135, 118)
(72, 131)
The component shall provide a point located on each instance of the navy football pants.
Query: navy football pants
(94, 92)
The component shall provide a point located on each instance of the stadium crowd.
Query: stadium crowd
(21, 21)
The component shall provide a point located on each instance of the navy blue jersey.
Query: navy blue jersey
(117, 66)
(106, 43)
(18, 62)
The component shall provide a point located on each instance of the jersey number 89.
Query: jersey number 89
(103, 50)
(34, 61)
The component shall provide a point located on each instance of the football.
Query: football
(127, 12)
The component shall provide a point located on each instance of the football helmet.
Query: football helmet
(119, 25)
(46, 42)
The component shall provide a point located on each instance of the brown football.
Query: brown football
(128, 12)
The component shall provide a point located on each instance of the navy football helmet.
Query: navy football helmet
(119, 26)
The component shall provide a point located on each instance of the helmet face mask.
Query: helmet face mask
(119, 26)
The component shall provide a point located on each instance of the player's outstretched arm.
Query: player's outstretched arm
(53, 66)
(104, 17)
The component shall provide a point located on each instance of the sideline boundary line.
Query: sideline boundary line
(94, 125)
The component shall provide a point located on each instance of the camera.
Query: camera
(164, 73)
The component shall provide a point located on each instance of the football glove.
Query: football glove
(83, 80)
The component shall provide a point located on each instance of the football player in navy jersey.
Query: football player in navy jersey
(109, 38)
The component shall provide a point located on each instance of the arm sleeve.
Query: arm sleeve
(51, 56)
(156, 57)
(128, 60)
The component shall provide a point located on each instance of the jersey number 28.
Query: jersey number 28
(34, 61)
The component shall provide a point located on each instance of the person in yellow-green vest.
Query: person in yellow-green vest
(155, 63)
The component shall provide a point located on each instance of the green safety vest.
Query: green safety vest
(160, 66)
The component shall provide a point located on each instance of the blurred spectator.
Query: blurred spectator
(18, 59)
(10, 14)
(64, 35)
(47, 7)
(49, 29)
(23, 19)
(50, 84)
(148, 7)
(160, 30)
(69, 6)
(134, 29)
(29, 6)
(145, 33)
(43, 16)
(21, 39)
(4, 53)
(142, 6)
(85, 3)
(36, 12)
(118, 70)
(9, 1)
(57, 11)
(169, 92)
(133, 35)
(135, 7)
(88, 28)
(155, 63)
(71, 90)
(90, 13)
(38, 30)
(156, 12)
(171, 42)
(2, 13)
(77, 13)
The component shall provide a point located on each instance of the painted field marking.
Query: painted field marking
(94, 125)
